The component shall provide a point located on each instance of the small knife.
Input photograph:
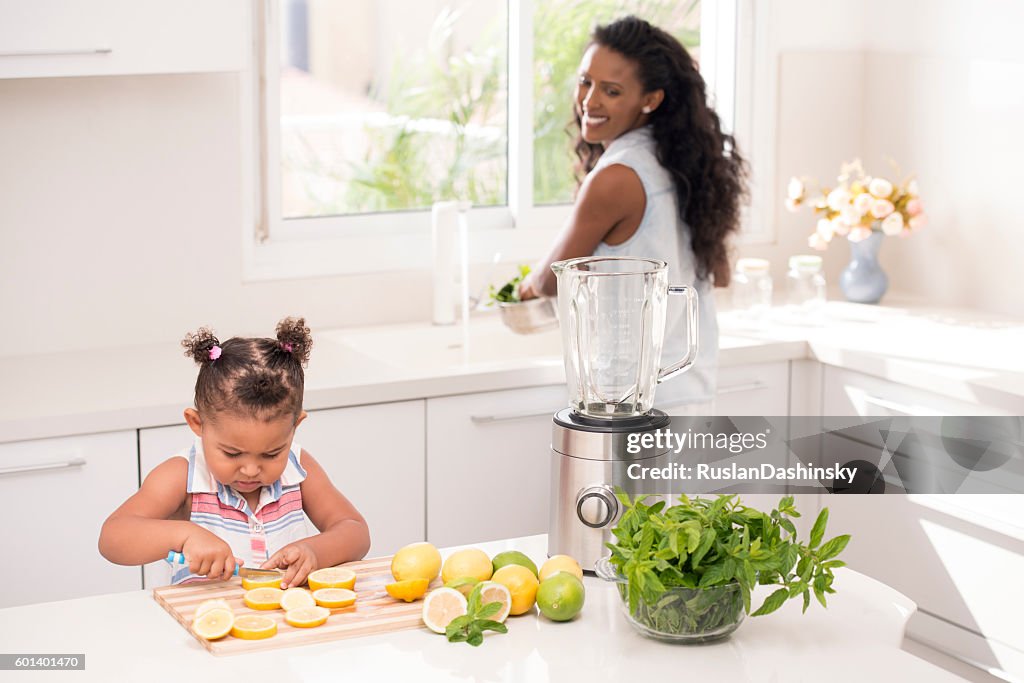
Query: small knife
(245, 572)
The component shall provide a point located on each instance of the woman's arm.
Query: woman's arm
(141, 529)
(343, 535)
(609, 207)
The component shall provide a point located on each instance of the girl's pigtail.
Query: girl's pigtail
(202, 346)
(294, 339)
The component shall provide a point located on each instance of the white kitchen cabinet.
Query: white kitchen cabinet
(57, 493)
(373, 454)
(753, 389)
(488, 464)
(952, 554)
(45, 38)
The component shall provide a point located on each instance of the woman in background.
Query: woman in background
(659, 179)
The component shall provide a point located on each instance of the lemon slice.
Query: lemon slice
(492, 591)
(263, 598)
(441, 606)
(214, 624)
(207, 605)
(295, 598)
(253, 627)
(307, 617)
(265, 581)
(334, 597)
(331, 577)
(408, 590)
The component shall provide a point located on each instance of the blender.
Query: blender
(611, 312)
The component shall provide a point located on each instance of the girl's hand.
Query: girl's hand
(300, 560)
(528, 288)
(208, 555)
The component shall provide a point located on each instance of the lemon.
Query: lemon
(213, 624)
(263, 598)
(408, 590)
(416, 561)
(513, 557)
(207, 605)
(441, 606)
(492, 591)
(294, 598)
(334, 597)
(560, 596)
(331, 577)
(560, 563)
(521, 583)
(253, 627)
(266, 581)
(472, 562)
(307, 617)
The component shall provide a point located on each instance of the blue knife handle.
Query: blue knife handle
(177, 558)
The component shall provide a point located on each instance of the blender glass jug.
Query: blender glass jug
(612, 314)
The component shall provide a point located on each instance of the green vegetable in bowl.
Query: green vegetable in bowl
(703, 543)
(509, 293)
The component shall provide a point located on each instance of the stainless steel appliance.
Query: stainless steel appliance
(612, 314)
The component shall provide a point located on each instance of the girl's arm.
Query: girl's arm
(141, 531)
(343, 535)
(609, 207)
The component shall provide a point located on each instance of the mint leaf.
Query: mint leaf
(833, 547)
(488, 610)
(819, 528)
(772, 602)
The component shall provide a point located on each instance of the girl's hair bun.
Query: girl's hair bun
(293, 338)
(198, 344)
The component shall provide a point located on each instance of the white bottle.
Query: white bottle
(805, 287)
(752, 288)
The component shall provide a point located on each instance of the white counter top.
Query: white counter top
(962, 354)
(128, 636)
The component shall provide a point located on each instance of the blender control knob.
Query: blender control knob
(596, 506)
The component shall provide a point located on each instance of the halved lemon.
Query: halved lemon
(258, 581)
(334, 597)
(307, 617)
(214, 624)
(441, 606)
(492, 591)
(263, 598)
(295, 598)
(253, 627)
(408, 590)
(331, 577)
(207, 605)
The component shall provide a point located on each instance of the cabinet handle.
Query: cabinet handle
(57, 52)
(737, 388)
(74, 462)
(507, 417)
(897, 407)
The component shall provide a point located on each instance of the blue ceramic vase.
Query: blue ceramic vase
(863, 281)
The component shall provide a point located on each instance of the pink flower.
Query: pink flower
(862, 203)
(215, 352)
(792, 204)
(893, 224)
(880, 187)
(859, 234)
(839, 226)
(825, 229)
(914, 207)
(816, 242)
(839, 198)
(881, 208)
(918, 221)
(795, 189)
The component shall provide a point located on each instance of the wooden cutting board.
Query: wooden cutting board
(373, 612)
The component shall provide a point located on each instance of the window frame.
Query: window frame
(400, 240)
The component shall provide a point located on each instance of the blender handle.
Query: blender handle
(691, 333)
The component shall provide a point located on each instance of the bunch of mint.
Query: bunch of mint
(470, 627)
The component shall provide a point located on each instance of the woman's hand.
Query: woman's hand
(208, 555)
(298, 557)
(529, 288)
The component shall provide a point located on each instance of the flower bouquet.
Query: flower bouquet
(858, 206)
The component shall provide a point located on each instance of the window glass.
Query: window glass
(560, 32)
(391, 105)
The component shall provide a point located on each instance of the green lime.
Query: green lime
(464, 584)
(560, 596)
(513, 557)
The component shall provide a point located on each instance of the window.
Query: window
(374, 109)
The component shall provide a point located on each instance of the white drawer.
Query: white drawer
(756, 389)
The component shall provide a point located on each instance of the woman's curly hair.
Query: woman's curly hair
(709, 173)
(251, 377)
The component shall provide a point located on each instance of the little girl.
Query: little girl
(238, 494)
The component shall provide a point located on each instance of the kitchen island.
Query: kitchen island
(128, 636)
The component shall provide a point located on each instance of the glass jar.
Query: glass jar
(805, 285)
(752, 287)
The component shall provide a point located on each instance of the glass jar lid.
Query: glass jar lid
(753, 265)
(805, 262)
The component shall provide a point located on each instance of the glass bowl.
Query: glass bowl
(530, 316)
(681, 615)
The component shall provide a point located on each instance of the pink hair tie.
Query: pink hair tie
(215, 352)
(287, 347)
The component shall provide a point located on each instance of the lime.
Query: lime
(560, 597)
(513, 557)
